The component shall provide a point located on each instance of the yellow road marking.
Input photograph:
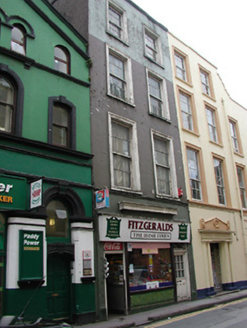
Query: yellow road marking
(189, 315)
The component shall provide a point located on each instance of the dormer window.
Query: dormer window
(18, 43)
(61, 60)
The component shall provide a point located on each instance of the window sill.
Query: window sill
(239, 154)
(137, 192)
(192, 132)
(160, 117)
(115, 37)
(210, 97)
(216, 143)
(186, 82)
(122, 100)
(155, 62)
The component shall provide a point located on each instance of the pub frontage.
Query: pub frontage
(146, 262)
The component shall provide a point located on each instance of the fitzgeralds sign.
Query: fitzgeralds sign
(36, 193)
(134, 230)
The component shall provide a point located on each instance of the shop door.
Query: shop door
(215, 256)
(58, 287)
(116, 284)
(182, 281)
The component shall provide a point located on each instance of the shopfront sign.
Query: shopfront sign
(138, 230)
(31, 255)
(12, 193)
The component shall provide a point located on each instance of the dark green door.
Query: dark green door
(58, 287)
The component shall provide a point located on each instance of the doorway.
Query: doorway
(216, 267)
(58, 287)
(182, 275)
(116, 284)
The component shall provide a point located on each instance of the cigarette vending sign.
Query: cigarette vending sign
(102, 198)
(36, 193)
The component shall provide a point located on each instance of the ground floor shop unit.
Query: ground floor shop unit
(46, 230)
(219, 251)
(147, 262)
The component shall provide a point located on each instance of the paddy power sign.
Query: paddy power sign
(138, 230)
(12, 193)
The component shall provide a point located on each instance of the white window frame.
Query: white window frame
(197, 169)
(123, 28)
(157, 50)
(221, 185)
(234, 135)
(129, 95)
(165, 113)
(206, 87)
(187, 114)
(182, 69)
(212, 126)
(241, 185)
(172, 166)
(134, 155)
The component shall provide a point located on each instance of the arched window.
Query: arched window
(61, 59)
(7, 96)
(11, 101)
(57, 223)
(18, 40)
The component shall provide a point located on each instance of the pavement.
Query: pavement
(142, 319)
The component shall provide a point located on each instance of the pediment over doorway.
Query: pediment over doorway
(214, 224)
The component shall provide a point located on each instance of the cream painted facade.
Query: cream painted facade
(213, 134)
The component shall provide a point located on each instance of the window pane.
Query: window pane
(241, 186)
(234, 136)
(60, 116)
(219, 180)
(205, 83)
(6, 105)
(186, 111)
(150, 47)
(163, 180)
(60, 126)
(145, 268)
(122, 173)
(161, 152)
(17, 40)
(121, 155)
(162, 166)
(211, 125)
(116, 66)
(180, 67)
(120, 139)
(57, 221)
(115, 19)
(194, 174)
(61, 60)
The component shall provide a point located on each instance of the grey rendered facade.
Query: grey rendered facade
(134, 121)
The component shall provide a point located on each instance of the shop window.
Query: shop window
(57, 223)
(18, 39)
(149, 271)
(61, 60)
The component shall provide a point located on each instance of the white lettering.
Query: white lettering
(5, 188)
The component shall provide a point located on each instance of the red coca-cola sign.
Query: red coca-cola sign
(113, 246)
